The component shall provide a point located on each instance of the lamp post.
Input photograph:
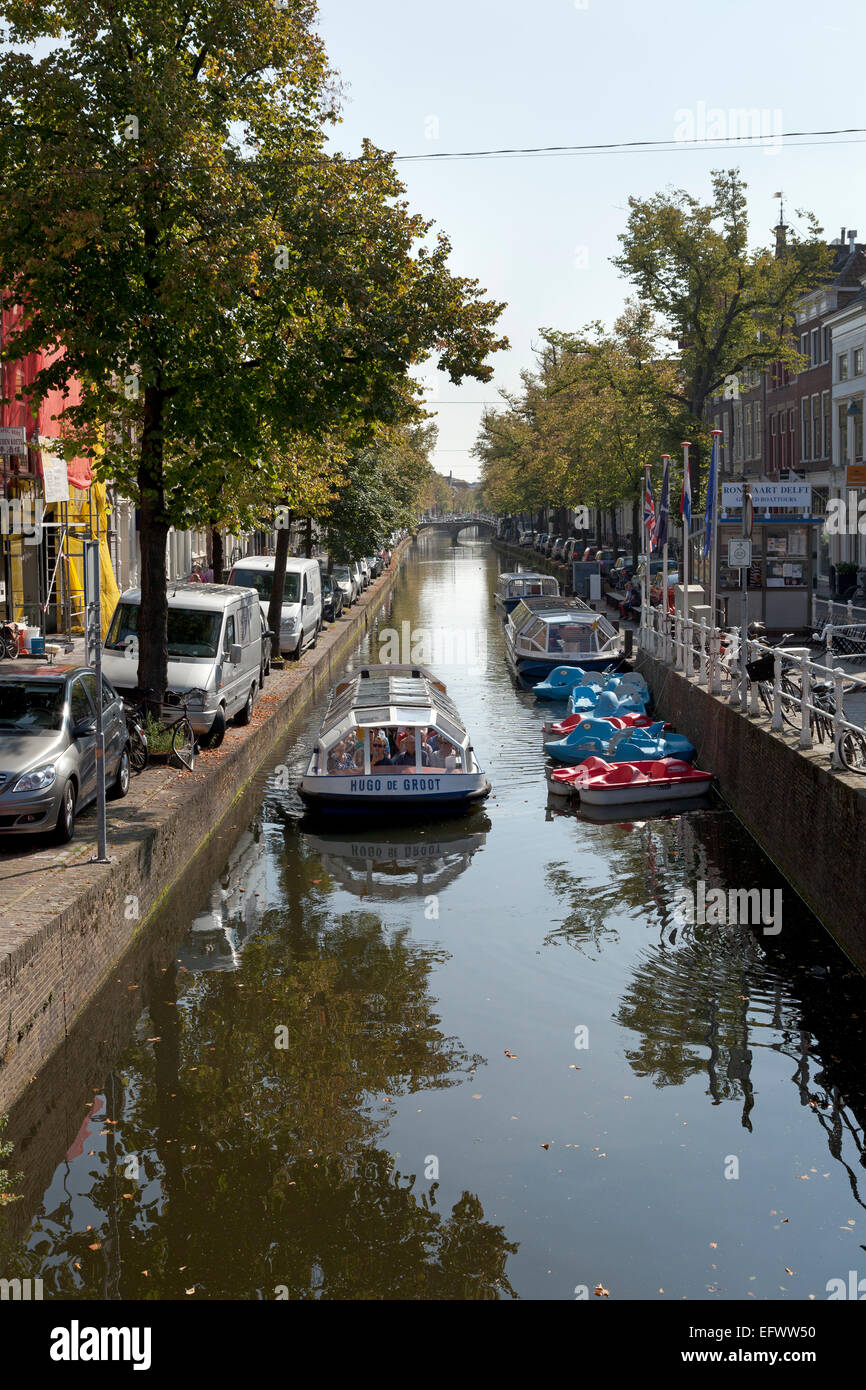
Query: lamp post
(852, 415)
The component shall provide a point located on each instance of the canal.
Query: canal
(488, 1058)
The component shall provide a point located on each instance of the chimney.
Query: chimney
(852, 238)
(842, 238)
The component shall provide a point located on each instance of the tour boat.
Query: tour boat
(515, 585)
(343, 776)
(601, 783)
(543, 633)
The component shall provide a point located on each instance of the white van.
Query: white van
(301, 618)
(215, 644)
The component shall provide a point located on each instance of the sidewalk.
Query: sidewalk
(65, 921)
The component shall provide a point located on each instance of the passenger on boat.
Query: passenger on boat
(340, 759)
(405, 755)
(445, 756)
(379, 749)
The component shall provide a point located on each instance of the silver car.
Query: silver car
(48, 747)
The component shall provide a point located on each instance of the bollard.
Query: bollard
(776, 722)
(838, 715)
(805, 700)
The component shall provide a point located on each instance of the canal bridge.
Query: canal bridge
(453, 525)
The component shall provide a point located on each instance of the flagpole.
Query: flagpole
(644, 585)
(666, 465)
(715, 685)
(686, 647)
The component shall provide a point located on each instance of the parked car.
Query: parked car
(526, 538)
(556, 548)
(375, 565)
(589, 553)
(48, 747)
(332, 599)
(301, 615)
(215, 644)
(568, 551)
(358, 576)
(365, 571)
(347, 584)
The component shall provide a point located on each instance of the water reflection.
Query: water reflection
(405, 864)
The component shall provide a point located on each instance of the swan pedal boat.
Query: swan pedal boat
(601, 783)
(560, 728)
(391, 696)
(595, 738)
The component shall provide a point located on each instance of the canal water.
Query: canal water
(487, 1058)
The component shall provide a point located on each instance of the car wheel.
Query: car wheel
(120, 785)
(245, 715)
(216, 733)
(65, 827)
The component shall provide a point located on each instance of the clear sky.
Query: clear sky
(479, 74)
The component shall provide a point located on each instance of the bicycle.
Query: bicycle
(183, 742)
(9, 645)
(135, 711)
(851, 748)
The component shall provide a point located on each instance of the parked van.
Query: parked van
(301, 618)
(215, 644)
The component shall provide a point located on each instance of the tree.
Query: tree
(730, 308)
(385, 482)
(220, 283)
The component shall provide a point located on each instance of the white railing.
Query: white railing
(804, 695)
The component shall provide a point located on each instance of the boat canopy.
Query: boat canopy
(388, 696)
(522, 583)
(560, 625)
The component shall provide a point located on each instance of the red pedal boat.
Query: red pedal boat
(600, 783)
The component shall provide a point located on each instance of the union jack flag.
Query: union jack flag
(649, 513)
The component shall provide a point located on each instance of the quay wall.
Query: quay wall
(809, 820)
(64, 928)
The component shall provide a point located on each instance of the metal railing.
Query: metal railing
(806, 695)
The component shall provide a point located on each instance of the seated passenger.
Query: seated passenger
(445, 756)
(405, 755)
(339, 760)
(379, 749)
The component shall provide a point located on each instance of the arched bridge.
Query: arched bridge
(453, 525)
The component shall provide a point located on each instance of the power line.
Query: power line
(624, 146)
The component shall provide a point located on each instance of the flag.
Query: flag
(661, 526)
(711, 496)
(649, 511)
(686, 499)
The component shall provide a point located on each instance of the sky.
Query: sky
(423, 78)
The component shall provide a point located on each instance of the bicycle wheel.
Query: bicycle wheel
(852, 751)
(183, 743)
(137, 748)
(791, 694)
(9, 643)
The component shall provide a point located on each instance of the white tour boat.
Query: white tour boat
(392, 741)
(518, 584)
(543, 633)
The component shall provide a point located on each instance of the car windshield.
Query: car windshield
(341, 572)
(31, 705)
(262, 582)
(193, 633)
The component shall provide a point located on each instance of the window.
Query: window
(842, 367)
(79, 703)
(858, 361)
(805, 450)
(842, 422)
(825, 414)
(826, 357)
(804, 344)
(783, 421)
(108, 695)
(738, 432)
(816, 347)
(816, 427)
(726, 438)
(229, 638)
(758, 436)
(747, 432)
(243, 617)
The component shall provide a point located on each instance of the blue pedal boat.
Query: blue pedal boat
(597, 738)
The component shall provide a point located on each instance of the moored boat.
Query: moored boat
(515, 585)
(601, 783)
(544, 633)
(392, 742)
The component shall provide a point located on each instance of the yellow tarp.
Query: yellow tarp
(78, 512)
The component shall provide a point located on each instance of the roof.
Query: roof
(57, 671)
(387, 695)
(559, 610)
(267, 562)
(184, 594)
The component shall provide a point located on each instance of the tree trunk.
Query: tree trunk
(613, 528)
(275, 607)
(217, 554)
(153, 611)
